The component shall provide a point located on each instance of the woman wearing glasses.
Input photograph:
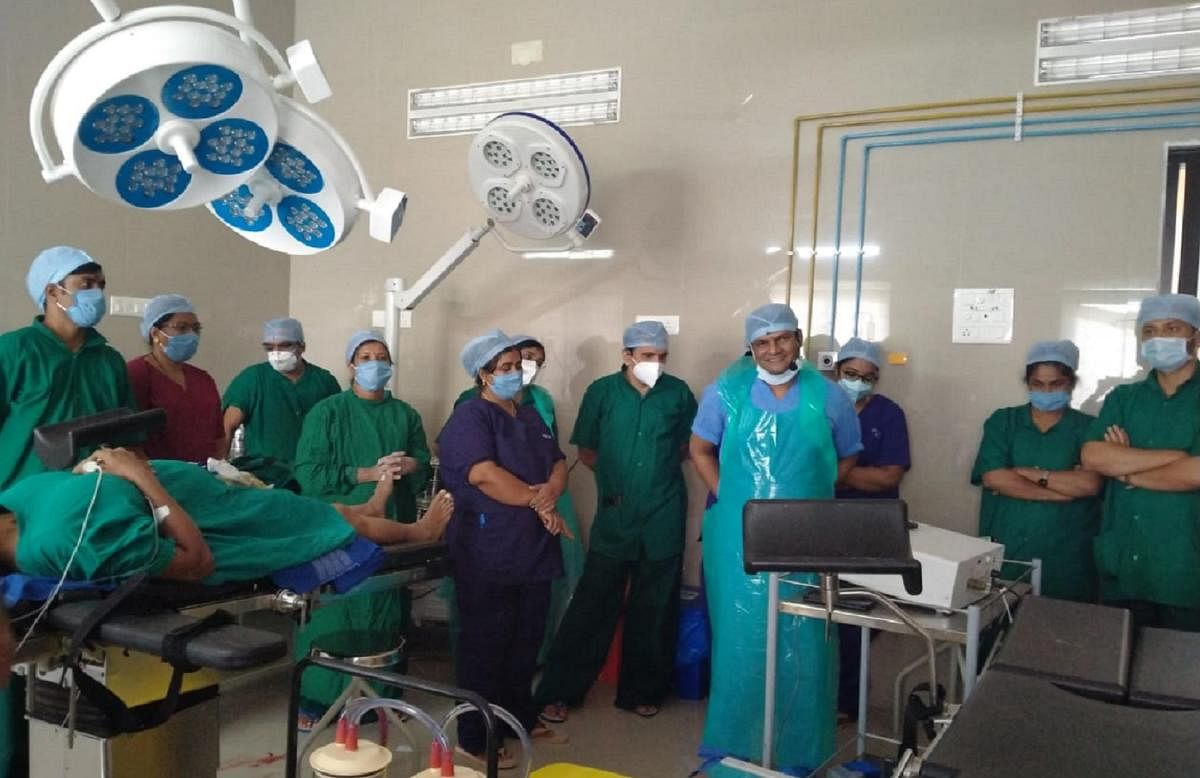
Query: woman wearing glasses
(162, 378)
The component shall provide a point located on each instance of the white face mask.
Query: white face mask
(648, 372)
(529, 371)
(777, 380)
(283, 361)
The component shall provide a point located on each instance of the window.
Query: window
(1181, 221)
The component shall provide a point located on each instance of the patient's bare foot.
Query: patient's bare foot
(434, 522)
(377, 505)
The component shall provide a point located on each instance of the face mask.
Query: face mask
(88, 309)
(648, 372)
(529, 371)
(283, 361)
(1165, 353)
(181, 348)
(507, 385)
(856, 388)
(1049, 401)
(777, 380)
(373, 375)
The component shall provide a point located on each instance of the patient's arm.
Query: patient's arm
(192, 560)
(384, 531)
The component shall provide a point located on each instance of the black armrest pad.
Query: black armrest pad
(229, 647)
(1083, 647)
(1166, 670)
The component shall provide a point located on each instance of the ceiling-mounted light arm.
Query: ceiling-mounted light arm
(54, 171)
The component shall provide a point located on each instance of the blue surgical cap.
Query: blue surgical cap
(164, 305)
(1184, 307)
(479, 351)
(772, 317)
(646, 333)
(361, 337)
(283, 331)
(857, 348)
(1064, 352)
(51, 267)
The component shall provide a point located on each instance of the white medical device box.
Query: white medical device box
(956, 569)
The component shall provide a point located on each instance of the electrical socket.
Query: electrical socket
(826, 360)
(134, 307)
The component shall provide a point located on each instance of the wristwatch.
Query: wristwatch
(1044, 481)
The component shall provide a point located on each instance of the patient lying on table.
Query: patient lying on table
(174, 520)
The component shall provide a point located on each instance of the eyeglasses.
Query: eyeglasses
(182, 329)
(283, 346)
(854, 375)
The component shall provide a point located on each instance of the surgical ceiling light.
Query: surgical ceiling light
(166, 107)
(589, 97)
(533, 182)
(1128, 44)
(308, 194)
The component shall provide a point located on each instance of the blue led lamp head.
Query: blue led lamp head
(166, 81)
(313, 186)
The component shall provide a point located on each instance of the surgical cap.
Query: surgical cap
(479, 351)
(773, 317)
(361, 337)
(164, 305)
(1184, 307)
(646, 333)
(51, 267)
(1064, 352)
(857, 348)
(283, 331)
(521, 341)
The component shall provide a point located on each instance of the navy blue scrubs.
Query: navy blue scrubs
(504, 559)
(885, 442)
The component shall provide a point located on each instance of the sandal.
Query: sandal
(504, 760)
(543, 734)
(646, 711)
(555, 713)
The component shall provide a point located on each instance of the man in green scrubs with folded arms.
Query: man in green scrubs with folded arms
(1147, 441)
(272, 398)
(56, 369)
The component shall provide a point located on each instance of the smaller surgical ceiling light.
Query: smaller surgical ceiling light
(533, 182)
(166, 107)
(308, 194)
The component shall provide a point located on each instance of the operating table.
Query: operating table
(126, 682)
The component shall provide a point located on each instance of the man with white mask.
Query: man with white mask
(272, 398)
(632, 431)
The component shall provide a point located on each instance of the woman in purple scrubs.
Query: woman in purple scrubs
(506, 472)
(881, 466)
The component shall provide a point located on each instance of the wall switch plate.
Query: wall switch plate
(406, 319)
(378, 318)
(826, 360)
(128, 306)
(526, 52)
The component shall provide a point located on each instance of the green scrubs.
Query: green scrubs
(274, 406)
(43, 382)
(1058, 533)
(341, 434)
(636, 539)
(561, 589)
(1148, 549)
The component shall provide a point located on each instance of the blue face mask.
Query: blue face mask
(181, 348)
(373, 375)
(1049, 401)
(855, 388)
(88, 308)
(1165, 353)
(507, 385)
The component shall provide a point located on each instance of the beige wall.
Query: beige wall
(234, 284)
(693, 186)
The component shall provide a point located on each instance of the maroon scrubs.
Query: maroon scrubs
(193, 426)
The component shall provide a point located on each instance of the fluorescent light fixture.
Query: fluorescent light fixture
(590, 97)
(580, 254)
(1127, 44)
